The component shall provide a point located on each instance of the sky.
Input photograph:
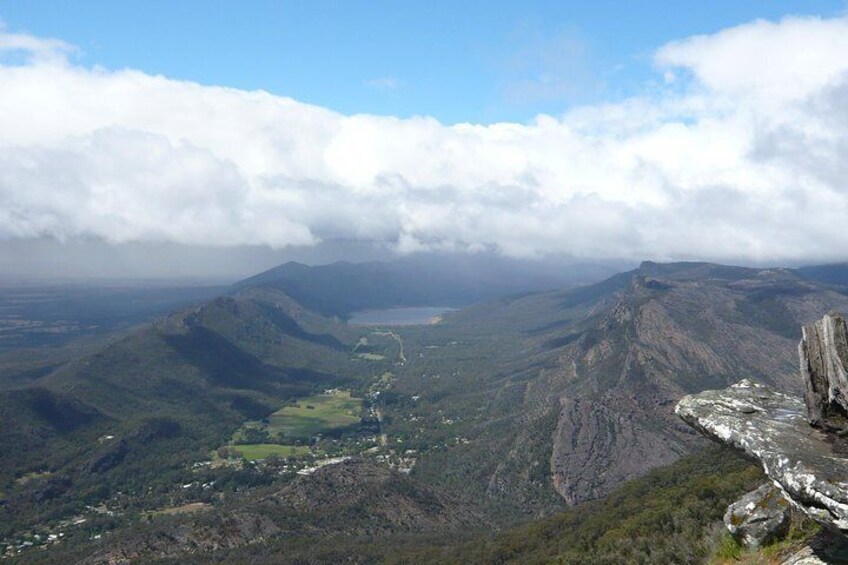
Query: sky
(593, 130)
(469, 61)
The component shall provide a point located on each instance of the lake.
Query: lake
(398, 316)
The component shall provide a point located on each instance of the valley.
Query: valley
(325, 427)
(502, 413)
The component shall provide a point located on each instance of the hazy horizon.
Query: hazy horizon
(52, 262)
(46, 260)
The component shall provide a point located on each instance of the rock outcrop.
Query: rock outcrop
(801, 445)
(770, 426)
(759, 517)
(824, 354)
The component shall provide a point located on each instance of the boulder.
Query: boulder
(759, 518)
(823, 353)
(806, 463)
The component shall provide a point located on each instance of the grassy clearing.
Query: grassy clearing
(264, 450)
(315, 414)
(371, 356)
(311, 415)
(21, 481)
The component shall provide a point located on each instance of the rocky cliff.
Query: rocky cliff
(800, 443)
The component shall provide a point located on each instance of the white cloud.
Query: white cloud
(784, 60)
(34, 48)
(742, 158)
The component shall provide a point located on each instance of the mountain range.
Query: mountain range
(509, 410)
(339, 289)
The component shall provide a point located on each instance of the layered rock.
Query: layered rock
(806, 463)
(759, 517)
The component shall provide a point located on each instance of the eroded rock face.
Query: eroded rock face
(806, 463)
(759, 517)
(603, 443)
(823, 353)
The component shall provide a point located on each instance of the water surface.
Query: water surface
(399, 316)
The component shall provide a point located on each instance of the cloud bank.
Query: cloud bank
(741, 155)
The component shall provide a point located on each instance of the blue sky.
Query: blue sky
(474, 61)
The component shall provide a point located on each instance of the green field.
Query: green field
(315, 414)
(263, 450)
(371, 356)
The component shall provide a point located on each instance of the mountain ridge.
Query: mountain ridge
(610, 359)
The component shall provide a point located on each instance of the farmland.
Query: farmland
(261, 451)
(316, 414)
(296, 424)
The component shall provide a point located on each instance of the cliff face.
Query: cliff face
(665, 337)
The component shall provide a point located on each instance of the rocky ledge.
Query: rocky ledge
(806, 463)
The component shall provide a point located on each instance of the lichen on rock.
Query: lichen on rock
(772, 427)
(759, 517)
